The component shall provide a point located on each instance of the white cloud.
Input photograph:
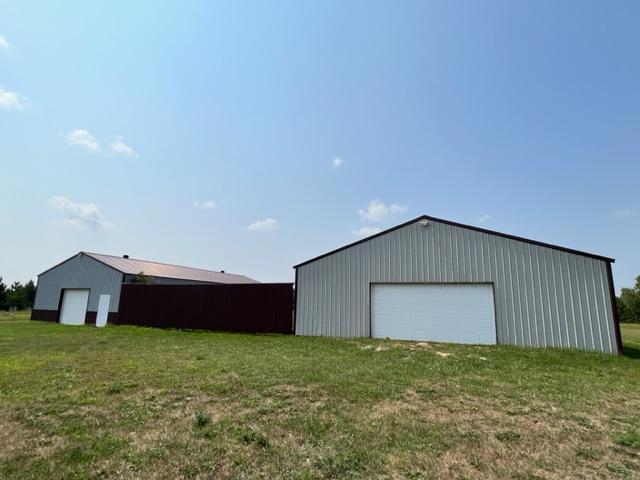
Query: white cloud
(4, 43)
(366, 231)
(623, 213)
(337, 162)
(482, 219)
(81, 137)
(266, 225)
(118, 146)
(12, 100)
(377, 211)
(84, 215)
(205, 204)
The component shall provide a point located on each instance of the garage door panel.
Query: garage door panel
(461, 313)
(74, 307)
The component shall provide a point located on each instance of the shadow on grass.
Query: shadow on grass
(631, 352)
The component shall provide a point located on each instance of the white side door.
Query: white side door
(74, 307)
(456, 313)
(103, 310)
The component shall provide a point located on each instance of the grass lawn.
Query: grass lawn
(128, 402)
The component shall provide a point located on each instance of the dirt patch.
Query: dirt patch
(387, 345)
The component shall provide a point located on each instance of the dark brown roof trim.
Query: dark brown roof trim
(74, 256)
(462, 225)
(58, 264)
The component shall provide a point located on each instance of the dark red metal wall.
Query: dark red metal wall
(257, 308)
(44, 315)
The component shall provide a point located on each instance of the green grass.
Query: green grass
(127, 402)
(631, 338)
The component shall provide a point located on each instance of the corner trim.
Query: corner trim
(295, 301)
(614, 310)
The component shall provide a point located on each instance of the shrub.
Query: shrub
(508, 436)
(255, 437)
(114, 388)
(630, 438)
(202, 419)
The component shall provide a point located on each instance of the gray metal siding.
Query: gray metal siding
(80, 271)
(544, 297)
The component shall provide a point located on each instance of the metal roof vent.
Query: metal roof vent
(125, 256)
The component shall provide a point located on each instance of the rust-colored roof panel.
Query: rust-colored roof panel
(155, 269)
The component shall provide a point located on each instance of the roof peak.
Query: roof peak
(460, 225)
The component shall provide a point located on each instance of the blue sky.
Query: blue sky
(250, 136)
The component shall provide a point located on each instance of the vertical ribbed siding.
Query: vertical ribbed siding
(543, 296)
(239, 307)
(80, 271)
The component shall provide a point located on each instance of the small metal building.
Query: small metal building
(433, 279)
(75, 290)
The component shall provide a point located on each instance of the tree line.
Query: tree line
(629, 303)
(18, 296)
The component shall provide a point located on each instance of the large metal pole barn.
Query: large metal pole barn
(438, 280)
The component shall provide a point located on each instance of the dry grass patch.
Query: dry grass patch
(19, 440)
(14, 437)
(490, 442)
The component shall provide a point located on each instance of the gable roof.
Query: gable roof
(461, 225)
(155, 269)
(134, 266)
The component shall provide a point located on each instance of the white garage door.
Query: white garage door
(460, 313)
(74, 307)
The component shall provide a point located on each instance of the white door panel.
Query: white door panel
(457, 313)
(74, 307)
(103, 310)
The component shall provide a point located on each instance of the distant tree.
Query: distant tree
(624, 314)
(3, 295)
(12, 296)
(143, 279)
(629, 303)
(16, 297)
(30, 293)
